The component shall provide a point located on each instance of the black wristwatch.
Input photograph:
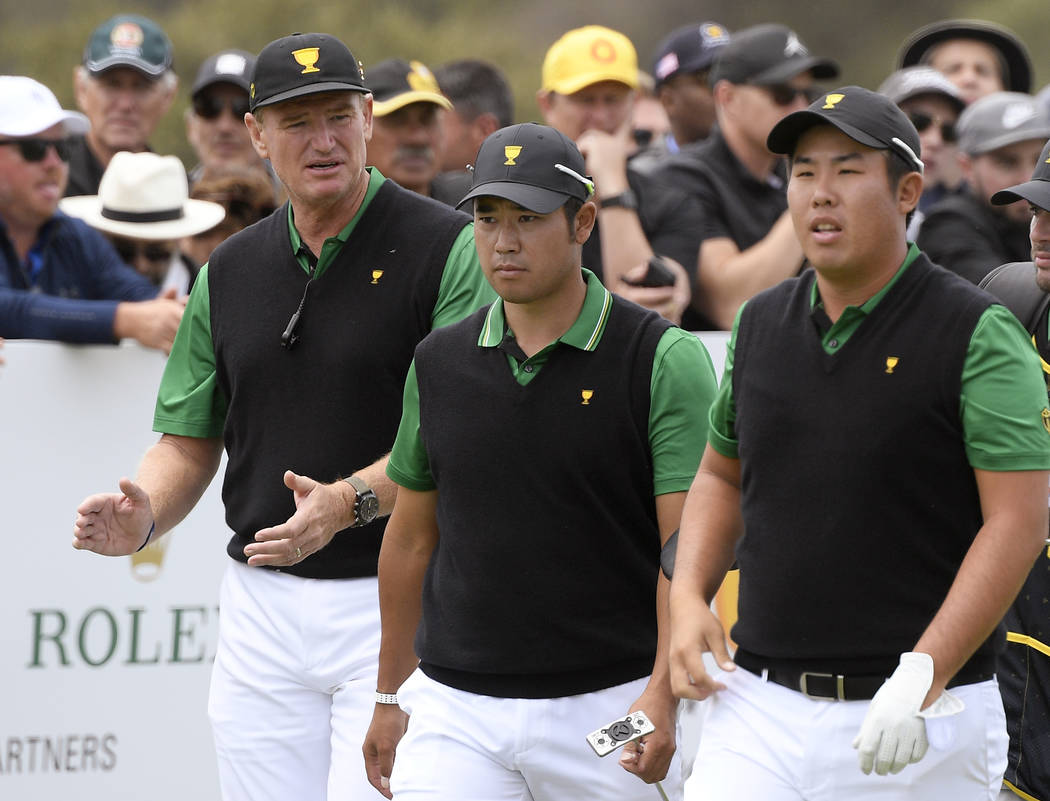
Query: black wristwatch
(624, 200)
(366, 504)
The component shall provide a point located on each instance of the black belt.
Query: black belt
(833, 686)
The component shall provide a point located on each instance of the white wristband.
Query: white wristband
(386, 698)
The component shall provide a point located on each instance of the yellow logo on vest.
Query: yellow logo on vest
(376, 275)
(306, 58)
(830, 101)
(511, 152)
(1046, 419)
(586, 394)
(891, 362)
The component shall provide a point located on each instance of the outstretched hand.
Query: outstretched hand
(320, 511)
(114, 524)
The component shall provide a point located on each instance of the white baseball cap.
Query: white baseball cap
(144, 196)
(27, 107)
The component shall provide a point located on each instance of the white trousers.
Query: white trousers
(764, 741)
(465, 747)
(293, 685)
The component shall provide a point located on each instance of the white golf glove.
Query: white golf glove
(893, 734)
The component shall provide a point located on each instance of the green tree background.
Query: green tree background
(45, 38)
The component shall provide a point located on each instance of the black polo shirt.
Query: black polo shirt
(964, 234)
(733, 203)
(85, 170)
(670, 220)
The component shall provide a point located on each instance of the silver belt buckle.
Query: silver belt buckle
(840, 693)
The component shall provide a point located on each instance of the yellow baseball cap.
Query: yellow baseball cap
(587, 55)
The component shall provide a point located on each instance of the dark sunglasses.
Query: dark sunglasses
(34, 149)
(923, 121)
(209, 107)
(643, 137)
(129, 250)
(785, 95)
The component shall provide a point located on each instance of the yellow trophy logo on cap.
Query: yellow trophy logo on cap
(306, 58)
(421, 79)
(511, 152)
(891, 362)
(830, 101)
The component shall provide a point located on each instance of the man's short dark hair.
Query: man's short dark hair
(571, 208)
(476, 87)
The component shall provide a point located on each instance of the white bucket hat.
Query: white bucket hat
(144, 196)
(27, 107)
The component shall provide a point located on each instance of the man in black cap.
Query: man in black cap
(407, 142)
(877, 462)
(747, 244)
(681, 67)
(979, 57)
(292, 355)
(215, 118)
(1024, 674)
(124, 86)
(546, 443)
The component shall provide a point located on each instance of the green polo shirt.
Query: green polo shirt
(1002, 388)
(190, 402)
(681, 388)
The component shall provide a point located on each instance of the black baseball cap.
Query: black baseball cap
(303, 64)
(864, 116)
(533, 165)
(766, 55)
(1035, 191)
(396, 83)
(227, 66)
(1012, 49)
(688, 49)
(128, 40)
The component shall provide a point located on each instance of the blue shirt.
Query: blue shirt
(70, 286)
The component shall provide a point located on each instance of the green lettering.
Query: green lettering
(82, 636)
(39, 636)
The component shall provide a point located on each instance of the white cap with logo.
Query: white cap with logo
(27, 108)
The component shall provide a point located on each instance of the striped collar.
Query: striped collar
(584, 333)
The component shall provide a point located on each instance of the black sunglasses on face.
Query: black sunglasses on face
(35, 149)
(209, 107)
(923, 121)
(784, 95)
(129, 250)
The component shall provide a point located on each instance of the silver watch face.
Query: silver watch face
(367, 508)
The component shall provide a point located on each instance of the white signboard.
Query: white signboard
(104, 662)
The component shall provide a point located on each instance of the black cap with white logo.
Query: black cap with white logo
(302, 64)
(1035, 191)
(535, 166)
(228, 66)
(864, 116)
(766, 55)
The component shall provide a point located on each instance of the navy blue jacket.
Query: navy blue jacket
(75, 294)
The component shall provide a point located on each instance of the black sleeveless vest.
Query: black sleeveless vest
(331, 404)
(543, 581)
(859, 503)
